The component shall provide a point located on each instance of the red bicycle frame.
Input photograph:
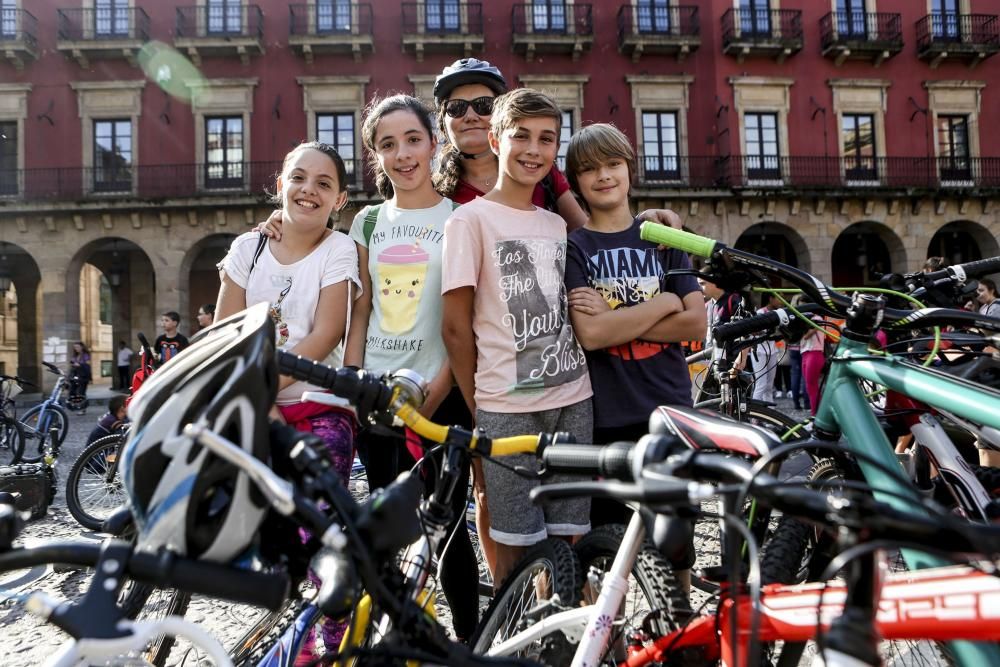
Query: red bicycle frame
(941, 604)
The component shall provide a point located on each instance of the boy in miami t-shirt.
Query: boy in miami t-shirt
(505, 325)
(170, 343)
(628, 313)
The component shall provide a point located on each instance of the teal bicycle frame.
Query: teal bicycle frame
(843, 409)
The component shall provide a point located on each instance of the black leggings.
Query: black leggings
(384, 458)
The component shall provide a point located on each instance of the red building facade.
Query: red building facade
(845, 136)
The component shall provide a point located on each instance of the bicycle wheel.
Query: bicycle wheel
(142, 602)
(653, 590)
(11, 441)
(37, 434)
(550, 568)
(94, 486)
(258, 641)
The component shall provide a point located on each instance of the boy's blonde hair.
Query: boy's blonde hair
(594, 144)
(522, 103)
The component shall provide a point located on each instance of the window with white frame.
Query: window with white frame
(111, 18)
(858, 146)
(953, 147)
(223, 151)
(333, 16)
(660, 159)
(112, 155)
(225, 17)
(851, 21)
(653, 16)
(945, 19)
(8, 18)
(8, 157)
(337, 129)
(442, 15)
(565, 132)
(761, 146)
(548, 15)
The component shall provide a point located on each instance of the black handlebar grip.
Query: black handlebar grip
(578, 459)
(267, 590)
(724, 333)
(981, 267)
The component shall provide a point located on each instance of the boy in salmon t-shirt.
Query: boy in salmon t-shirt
(506, 328)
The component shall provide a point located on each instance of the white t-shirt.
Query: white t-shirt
(292, 290)
(404, 262)
(125, 356)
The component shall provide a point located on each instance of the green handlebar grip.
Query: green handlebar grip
(677, 238)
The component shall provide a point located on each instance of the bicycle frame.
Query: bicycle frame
(43, 413)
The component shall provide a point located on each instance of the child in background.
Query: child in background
(171, 342)
(110, 421)
(309, 278)
(629, 315)
(506, 327)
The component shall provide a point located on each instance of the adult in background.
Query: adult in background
(124, 359)
(986, 294)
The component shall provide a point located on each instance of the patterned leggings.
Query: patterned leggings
(337, 431)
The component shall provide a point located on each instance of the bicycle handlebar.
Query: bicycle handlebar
(830, 301)
(960, 272)
(164, 570)
(773, 319)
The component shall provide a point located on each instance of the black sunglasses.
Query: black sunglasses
(483, 106)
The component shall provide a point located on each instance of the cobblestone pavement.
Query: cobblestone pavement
(26, 640)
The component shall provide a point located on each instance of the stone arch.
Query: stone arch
(199, 279)
(127, 274)
(963, 241)
(778, 241)
(20, 313)
(863, 252)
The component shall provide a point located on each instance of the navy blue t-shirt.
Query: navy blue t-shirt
(632, 379)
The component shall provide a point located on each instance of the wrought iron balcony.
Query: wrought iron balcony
(658, 29)
(435, 26)
(220, 30)
(552, 28)
(18, 29)
(872, 36)
(102, 32)
(968, 37)
(146, 183)
(337, 28)
(774, 33)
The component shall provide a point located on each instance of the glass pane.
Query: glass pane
(324, 123)
(344, 138)
(343, 18)
(345, 122)
(324, 15)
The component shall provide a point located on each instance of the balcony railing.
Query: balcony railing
(878, 29)
(146, 182)
(103, 24)
(657, 21)
(761, 26)
(337, 19)
(442, 18)
(973, 30)
(229, 20)
(817, 173)
(553, 18)
(18, 25)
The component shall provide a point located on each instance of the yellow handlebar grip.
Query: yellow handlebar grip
(422, 426)
(518, 444)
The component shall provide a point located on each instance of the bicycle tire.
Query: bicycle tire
(87, 484)
(11, 441)
(565, 580)
(34, 440)
(254, 645)
(142, 601)
(655, 579)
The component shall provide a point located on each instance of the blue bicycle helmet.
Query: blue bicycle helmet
(465, 71)
(182, 496)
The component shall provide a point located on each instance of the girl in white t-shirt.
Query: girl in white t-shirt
(309, 278)
(398, 321)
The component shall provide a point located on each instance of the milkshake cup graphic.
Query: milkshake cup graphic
(402, 272)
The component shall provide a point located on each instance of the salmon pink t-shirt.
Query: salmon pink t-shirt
(528, 357)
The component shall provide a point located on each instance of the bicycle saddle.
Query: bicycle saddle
(701, 429)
